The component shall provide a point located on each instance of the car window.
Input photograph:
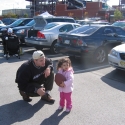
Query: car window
(108, 30)
(31, 23)
(69, 20)
(17, 22)
(57, 20)
(90, 30)
(76, 25)
(49, 26)
(119, 31)
(49, 20)
(66, 28)
(25, 22)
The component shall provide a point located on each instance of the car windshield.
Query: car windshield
(31, 23)
(82, 29)
(49, 26)
(17, 22)
(120, 24)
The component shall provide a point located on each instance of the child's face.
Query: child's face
(65, 66)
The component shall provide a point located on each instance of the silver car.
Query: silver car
(116, 57)
(47, 38)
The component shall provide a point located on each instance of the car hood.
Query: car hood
(120, 48)
(21, 27)
(40, 22)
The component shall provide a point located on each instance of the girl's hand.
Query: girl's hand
(62, 85)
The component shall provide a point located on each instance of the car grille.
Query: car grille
(122, 55)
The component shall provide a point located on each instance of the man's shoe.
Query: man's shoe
(25, 96)
(28, 99)
(48, 98)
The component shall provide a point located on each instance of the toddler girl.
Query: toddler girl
(64, 67)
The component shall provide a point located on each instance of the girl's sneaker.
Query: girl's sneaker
(68, 110)
(60, 108)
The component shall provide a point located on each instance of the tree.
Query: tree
(25, 15)
(118, 15)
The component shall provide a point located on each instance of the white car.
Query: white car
(116, 57)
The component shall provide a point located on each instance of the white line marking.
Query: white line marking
(92, 69)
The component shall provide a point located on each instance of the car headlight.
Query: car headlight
(114, 53)
(21, 31)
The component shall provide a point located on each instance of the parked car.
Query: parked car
(21, 31)
(47, 38)
(2, 24)
(116, 57)
(91, 41)
(120, 24)
(19, 22)
(8, 21)
(101, 22)
(84, 22)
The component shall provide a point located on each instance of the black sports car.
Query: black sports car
(93, 41)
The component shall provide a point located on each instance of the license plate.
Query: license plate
(122, 63)
(66, 41)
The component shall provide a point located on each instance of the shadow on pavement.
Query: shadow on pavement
(54, 119)
(18, 111)
(115, 75)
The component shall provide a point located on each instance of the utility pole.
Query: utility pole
(34, 7)
(52, 7)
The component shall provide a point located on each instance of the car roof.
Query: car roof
(101, 25)
(58, 17)
(62, 23)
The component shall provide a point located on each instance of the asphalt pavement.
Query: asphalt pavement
(98, 96)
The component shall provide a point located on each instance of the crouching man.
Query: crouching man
(36, 77)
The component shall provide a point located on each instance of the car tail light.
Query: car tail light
(40, 35)
(74, 41)
(60, 39)
(78, 42)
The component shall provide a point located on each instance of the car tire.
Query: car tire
(100, 55)
(52, 48)
(39, 48)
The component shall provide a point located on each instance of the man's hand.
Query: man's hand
(41, 91)
(62, 85)
(47, 72)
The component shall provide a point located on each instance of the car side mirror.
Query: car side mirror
(115, 35)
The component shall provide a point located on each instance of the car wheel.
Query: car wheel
(100, 55)
(39, 48)
(52, 48)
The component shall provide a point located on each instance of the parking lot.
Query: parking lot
(98, 97)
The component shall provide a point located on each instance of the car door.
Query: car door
(121, 34)
(110, 39)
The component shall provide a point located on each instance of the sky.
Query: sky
(12, 4)
(113, 2)
(21, 4)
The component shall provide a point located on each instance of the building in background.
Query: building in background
(19, 12)
(78, 9)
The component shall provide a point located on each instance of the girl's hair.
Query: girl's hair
(63, 60)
